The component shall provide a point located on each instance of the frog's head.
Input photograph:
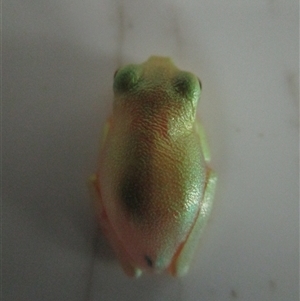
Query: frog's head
(157, 88)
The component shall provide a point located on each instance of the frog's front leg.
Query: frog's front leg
(108, 231)
(182, 260)
(203, 140)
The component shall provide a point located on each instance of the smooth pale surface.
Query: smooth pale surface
(58, 62)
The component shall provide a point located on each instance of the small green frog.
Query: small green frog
(153, 188)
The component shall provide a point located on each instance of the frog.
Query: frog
(153, 189)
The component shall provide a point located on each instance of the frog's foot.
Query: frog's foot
(182, 260)
(109, 233)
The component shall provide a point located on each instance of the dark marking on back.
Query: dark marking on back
(133, 193)
(134, 189)
(149, 261)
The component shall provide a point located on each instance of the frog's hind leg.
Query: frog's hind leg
(107, 230)
(182, 259)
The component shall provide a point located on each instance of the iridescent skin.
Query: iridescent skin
(153, 188)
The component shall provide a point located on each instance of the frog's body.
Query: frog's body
(154, 189)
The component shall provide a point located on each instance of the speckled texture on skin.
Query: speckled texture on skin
(152, 171)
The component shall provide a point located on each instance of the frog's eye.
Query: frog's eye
(186, 85)
(125, 79)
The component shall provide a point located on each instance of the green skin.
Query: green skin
(153, 189)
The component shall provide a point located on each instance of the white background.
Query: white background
(59, 57)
